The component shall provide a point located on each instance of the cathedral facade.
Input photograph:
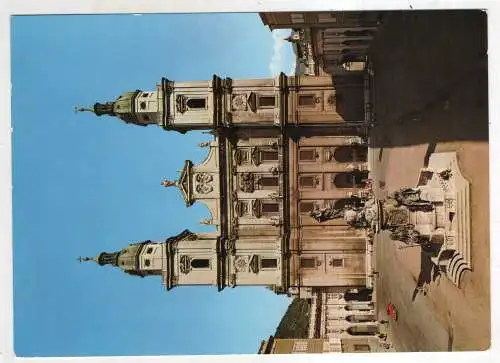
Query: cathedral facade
(285, 151)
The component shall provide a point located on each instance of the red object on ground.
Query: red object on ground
(392, 311)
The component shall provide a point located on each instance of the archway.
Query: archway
(350, 179)
(351, 153)
(362, 330)
(363, 294)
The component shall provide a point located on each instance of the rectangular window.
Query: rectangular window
(268, 182)
(196, 103)
(308, 155)
(361, 348)
(337, 262)
(269, 155)
(300, 346)
(306, 207)
(270, 208)
(308, 181)
(307, 262)
(267, 101)
(307, 100)
(269, 263)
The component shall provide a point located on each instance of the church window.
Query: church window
(200, 263)
(337, 262)
(361, 348)
(306, 207)
(149, 250)
(270, 208)
(196, 103)
(307, 262)
(143, 105)
(270, 263)
(267, 101)
(147, 262)
(309, 181)
(307, 100)
(308, 155)
(300, 346)
(268, 155)
(268, 182)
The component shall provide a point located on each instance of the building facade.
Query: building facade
(340, 41)
(284, 149)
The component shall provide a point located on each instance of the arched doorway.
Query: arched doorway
(351, 153)
(350, 179)
(362, 330)
(360, 318)
(363, 294)
(359, 307)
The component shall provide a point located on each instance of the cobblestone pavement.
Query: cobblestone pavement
(431, 95)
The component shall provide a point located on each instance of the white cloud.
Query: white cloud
(282, 58)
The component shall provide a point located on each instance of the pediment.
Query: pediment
(185, 184)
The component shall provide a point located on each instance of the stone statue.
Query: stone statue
(325, 214)
(168, 183)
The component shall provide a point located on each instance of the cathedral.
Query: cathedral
(286, 153)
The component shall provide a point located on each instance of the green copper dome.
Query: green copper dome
(123, 107)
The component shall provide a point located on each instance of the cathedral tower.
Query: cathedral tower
(225, 103)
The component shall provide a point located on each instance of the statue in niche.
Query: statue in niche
(247, 182)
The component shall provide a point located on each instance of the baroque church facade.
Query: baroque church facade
(284, 149)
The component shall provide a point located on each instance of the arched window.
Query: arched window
(200, 263)
(196, 103)
(350, 153)
(362, 330)
(350, 179)
(360, 318)
(147, 262)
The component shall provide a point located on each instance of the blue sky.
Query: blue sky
(84, 184)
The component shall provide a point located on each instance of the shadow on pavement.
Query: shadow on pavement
(431, 78)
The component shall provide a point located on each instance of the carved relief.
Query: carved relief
(275, 170)
(204, 188)
(241, 263)
(332, 100)
(204, 178)
(204, 181)
(229, 245)
(254, 264)
(185, 264)
(257, 208)
(181, 103)
(239, 103)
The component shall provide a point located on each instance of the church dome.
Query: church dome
(123, 107)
